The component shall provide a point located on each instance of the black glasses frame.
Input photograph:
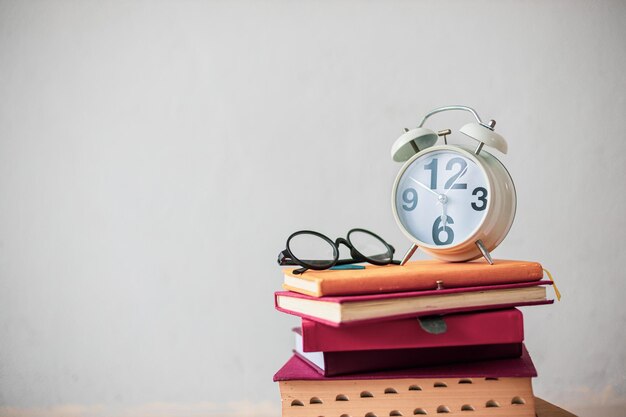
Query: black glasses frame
(286, 257)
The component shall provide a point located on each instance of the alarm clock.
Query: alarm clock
(454, 202)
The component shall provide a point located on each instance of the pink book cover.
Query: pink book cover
(341, 363)
(298, 369)
(466, 329)
(374, 297)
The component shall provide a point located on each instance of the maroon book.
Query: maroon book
(466, 329)
(350, 362)
(298, 369)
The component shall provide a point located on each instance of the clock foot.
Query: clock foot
(408, 254)
(484, 251)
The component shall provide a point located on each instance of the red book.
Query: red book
(466, 329)
(358, 309)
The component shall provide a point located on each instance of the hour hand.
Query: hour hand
(444, 212)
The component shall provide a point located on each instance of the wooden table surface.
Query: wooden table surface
(545, 409)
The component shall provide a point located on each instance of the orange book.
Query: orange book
(414, 276)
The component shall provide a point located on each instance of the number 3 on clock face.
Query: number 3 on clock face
(442, 198)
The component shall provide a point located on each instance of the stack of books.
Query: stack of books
(425, 338)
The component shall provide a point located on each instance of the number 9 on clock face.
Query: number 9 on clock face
(442, 197)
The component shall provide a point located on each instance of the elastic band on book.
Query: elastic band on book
(556, 290)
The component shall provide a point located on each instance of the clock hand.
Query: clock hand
(441, 198)
(457, 178)
(444, 217)
(424, 186)
(444, 209)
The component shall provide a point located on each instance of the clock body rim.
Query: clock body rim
(500, 210)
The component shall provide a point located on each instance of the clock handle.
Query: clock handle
(408, 254)
(455, 107)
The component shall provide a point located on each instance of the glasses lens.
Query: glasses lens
(313, 251)
(370, 246)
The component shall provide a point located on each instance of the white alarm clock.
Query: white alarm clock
(455, 202)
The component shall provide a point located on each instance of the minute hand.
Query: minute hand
(424, 186)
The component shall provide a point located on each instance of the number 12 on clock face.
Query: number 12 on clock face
(442, 198)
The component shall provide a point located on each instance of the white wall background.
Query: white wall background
(154, 156)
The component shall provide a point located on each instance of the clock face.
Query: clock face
(442, 198)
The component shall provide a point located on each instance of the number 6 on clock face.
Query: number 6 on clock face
(442, 198)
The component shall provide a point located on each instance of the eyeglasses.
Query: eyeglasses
(313, 250)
